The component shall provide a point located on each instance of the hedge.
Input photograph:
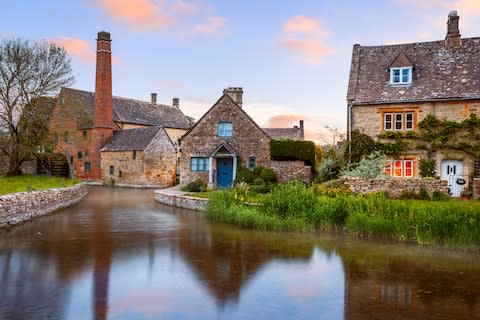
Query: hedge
(288, 150)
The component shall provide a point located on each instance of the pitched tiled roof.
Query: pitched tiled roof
(438, 73)
(285, 133)
(131, 139)
(133, 111)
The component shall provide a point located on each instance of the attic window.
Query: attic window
(401, 75)
(224, 129)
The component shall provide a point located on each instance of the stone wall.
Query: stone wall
(292, 170)
(179, 200)
(394, 187)
(476, 188)
(22, 206)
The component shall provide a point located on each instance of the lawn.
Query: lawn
(30, 183)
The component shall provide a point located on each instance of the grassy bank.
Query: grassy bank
(295, 207)
(29, 183)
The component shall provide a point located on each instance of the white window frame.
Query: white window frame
(398, 121)
(409, 124)
(389, 122)
(199, 164)
(225, 129)
(401, 75)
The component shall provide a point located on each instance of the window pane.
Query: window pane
(388, 168)
(199, 164)
(388, 121)
(395, 75)
(398, 121)
(251, 163)
(397, 168)
(409, 120)
(408, 168)
(224, 129)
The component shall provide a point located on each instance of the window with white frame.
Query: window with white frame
(400, 168)
(199, 164)
(224, 129)
(399, 120)
(401, 75)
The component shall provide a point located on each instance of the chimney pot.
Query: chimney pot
(176, 102)
(301, 124)
(103, 35)
(154, 98)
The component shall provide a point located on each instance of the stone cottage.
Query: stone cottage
(226, 137)
(393, 87)
(93, 127)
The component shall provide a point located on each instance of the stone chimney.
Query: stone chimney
(452, 40)
(236, 93)
(176, 103)
(103, 112)
(301, 124)
(153, 98)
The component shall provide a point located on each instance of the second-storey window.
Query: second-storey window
(399, 120)
(224, 129)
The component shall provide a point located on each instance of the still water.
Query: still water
(119, 255)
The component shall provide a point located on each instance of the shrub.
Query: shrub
(268, 175)
(244, 175)
(325, 190)
(260, 188)
(195, 186)
(329, 170)
(257, 171)
(427, 168)
(423, 194)
(438, 195)
(284, 150)
(370, 167)
(258, 181)
(336, 183)
(408, 194)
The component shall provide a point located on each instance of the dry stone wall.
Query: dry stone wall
(22, 206)
(394, 187)
(292, 170)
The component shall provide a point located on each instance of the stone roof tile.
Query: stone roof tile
(131, 139)
(438, 73)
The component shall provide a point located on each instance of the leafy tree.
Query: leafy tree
(29, 71)
(361, 146)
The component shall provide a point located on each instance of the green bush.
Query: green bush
(244, 175)
(258, 181)
(285, 150)
(370, 167)
(268, 175)
(427, 168)
(438, 195)
(260, 188)
(423, 194)
(408, 194)
(195, 186)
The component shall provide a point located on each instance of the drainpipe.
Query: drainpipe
(349, 128)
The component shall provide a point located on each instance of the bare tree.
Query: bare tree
(29, 71)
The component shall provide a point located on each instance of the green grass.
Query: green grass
(29, 183)
(293, 206)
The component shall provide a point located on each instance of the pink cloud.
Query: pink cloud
(76, 47)
(306, 36)
(211, 26)
(285, 120)
(140, 15)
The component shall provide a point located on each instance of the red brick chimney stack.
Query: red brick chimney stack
(103, 112)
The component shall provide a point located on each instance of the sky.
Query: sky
(292, 58)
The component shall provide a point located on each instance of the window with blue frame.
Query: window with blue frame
(224, 129)
(251, 163)
(199, 164)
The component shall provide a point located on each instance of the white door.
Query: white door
(452, 171)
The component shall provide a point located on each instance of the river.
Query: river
(119, 255)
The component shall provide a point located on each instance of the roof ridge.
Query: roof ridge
(412, 43)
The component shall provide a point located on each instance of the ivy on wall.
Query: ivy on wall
(434, 134)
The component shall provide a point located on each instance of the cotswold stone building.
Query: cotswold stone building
(94, 131)
(393, 87)
(226, 137)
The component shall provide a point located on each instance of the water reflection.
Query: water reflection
(119, 255)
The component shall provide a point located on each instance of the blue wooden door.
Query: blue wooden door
(224, 172)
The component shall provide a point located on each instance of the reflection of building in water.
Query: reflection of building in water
(225, 259)
(382, 287)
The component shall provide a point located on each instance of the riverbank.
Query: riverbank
(19, 207)
(177, 198)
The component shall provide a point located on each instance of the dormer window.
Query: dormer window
(401, 75)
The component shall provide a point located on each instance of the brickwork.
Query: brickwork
(19, 207)
(248, 140)
(394, 187)
(291, 170)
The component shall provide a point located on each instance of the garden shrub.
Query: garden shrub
(244, 175)
(438, 195)
(268, 175)
(287, 150)
(408, 194)
(423, 194)
(427, 168)
(195, 186)
(370, 167)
